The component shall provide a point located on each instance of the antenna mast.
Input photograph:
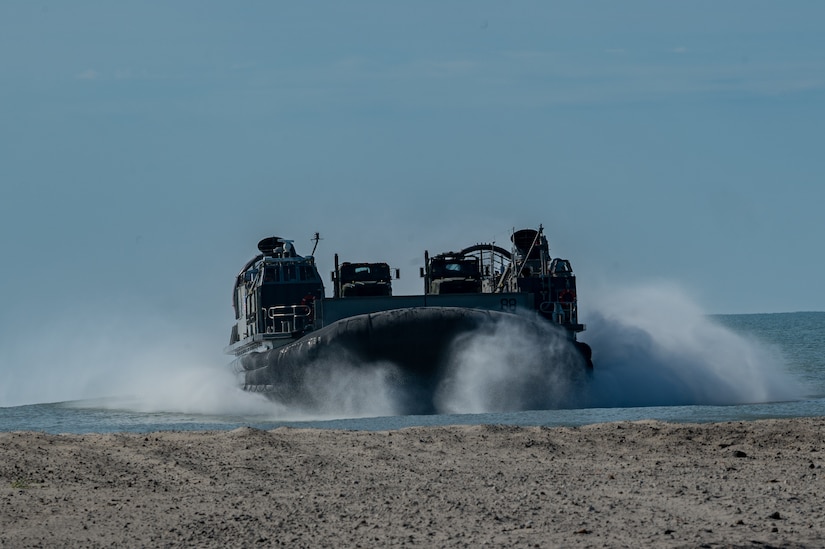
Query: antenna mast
(315, 238)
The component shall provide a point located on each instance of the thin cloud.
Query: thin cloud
(457, 65)
(88, 74)
(529, 79)
(143, 74)
(244, 65)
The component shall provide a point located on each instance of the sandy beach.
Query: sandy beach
(756, 484)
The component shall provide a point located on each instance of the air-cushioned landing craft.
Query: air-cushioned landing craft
(285, 323)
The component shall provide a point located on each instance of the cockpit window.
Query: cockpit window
(372, 272)
(272, 274)
(455, 268)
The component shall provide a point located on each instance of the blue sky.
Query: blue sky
(146, 147)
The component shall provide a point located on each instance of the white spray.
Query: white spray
(652, 346)
(502, 367)
(342, 388)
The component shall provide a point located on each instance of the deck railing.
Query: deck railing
(285, 319)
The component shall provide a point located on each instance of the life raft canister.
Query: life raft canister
(567, 296)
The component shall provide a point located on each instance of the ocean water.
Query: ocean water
(649, 364)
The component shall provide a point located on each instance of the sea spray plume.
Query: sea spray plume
(652, 346)
(162, 378)
(339, 388)
(140, 361)
(510, 365)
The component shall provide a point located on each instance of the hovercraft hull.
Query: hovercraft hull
(416, 344)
